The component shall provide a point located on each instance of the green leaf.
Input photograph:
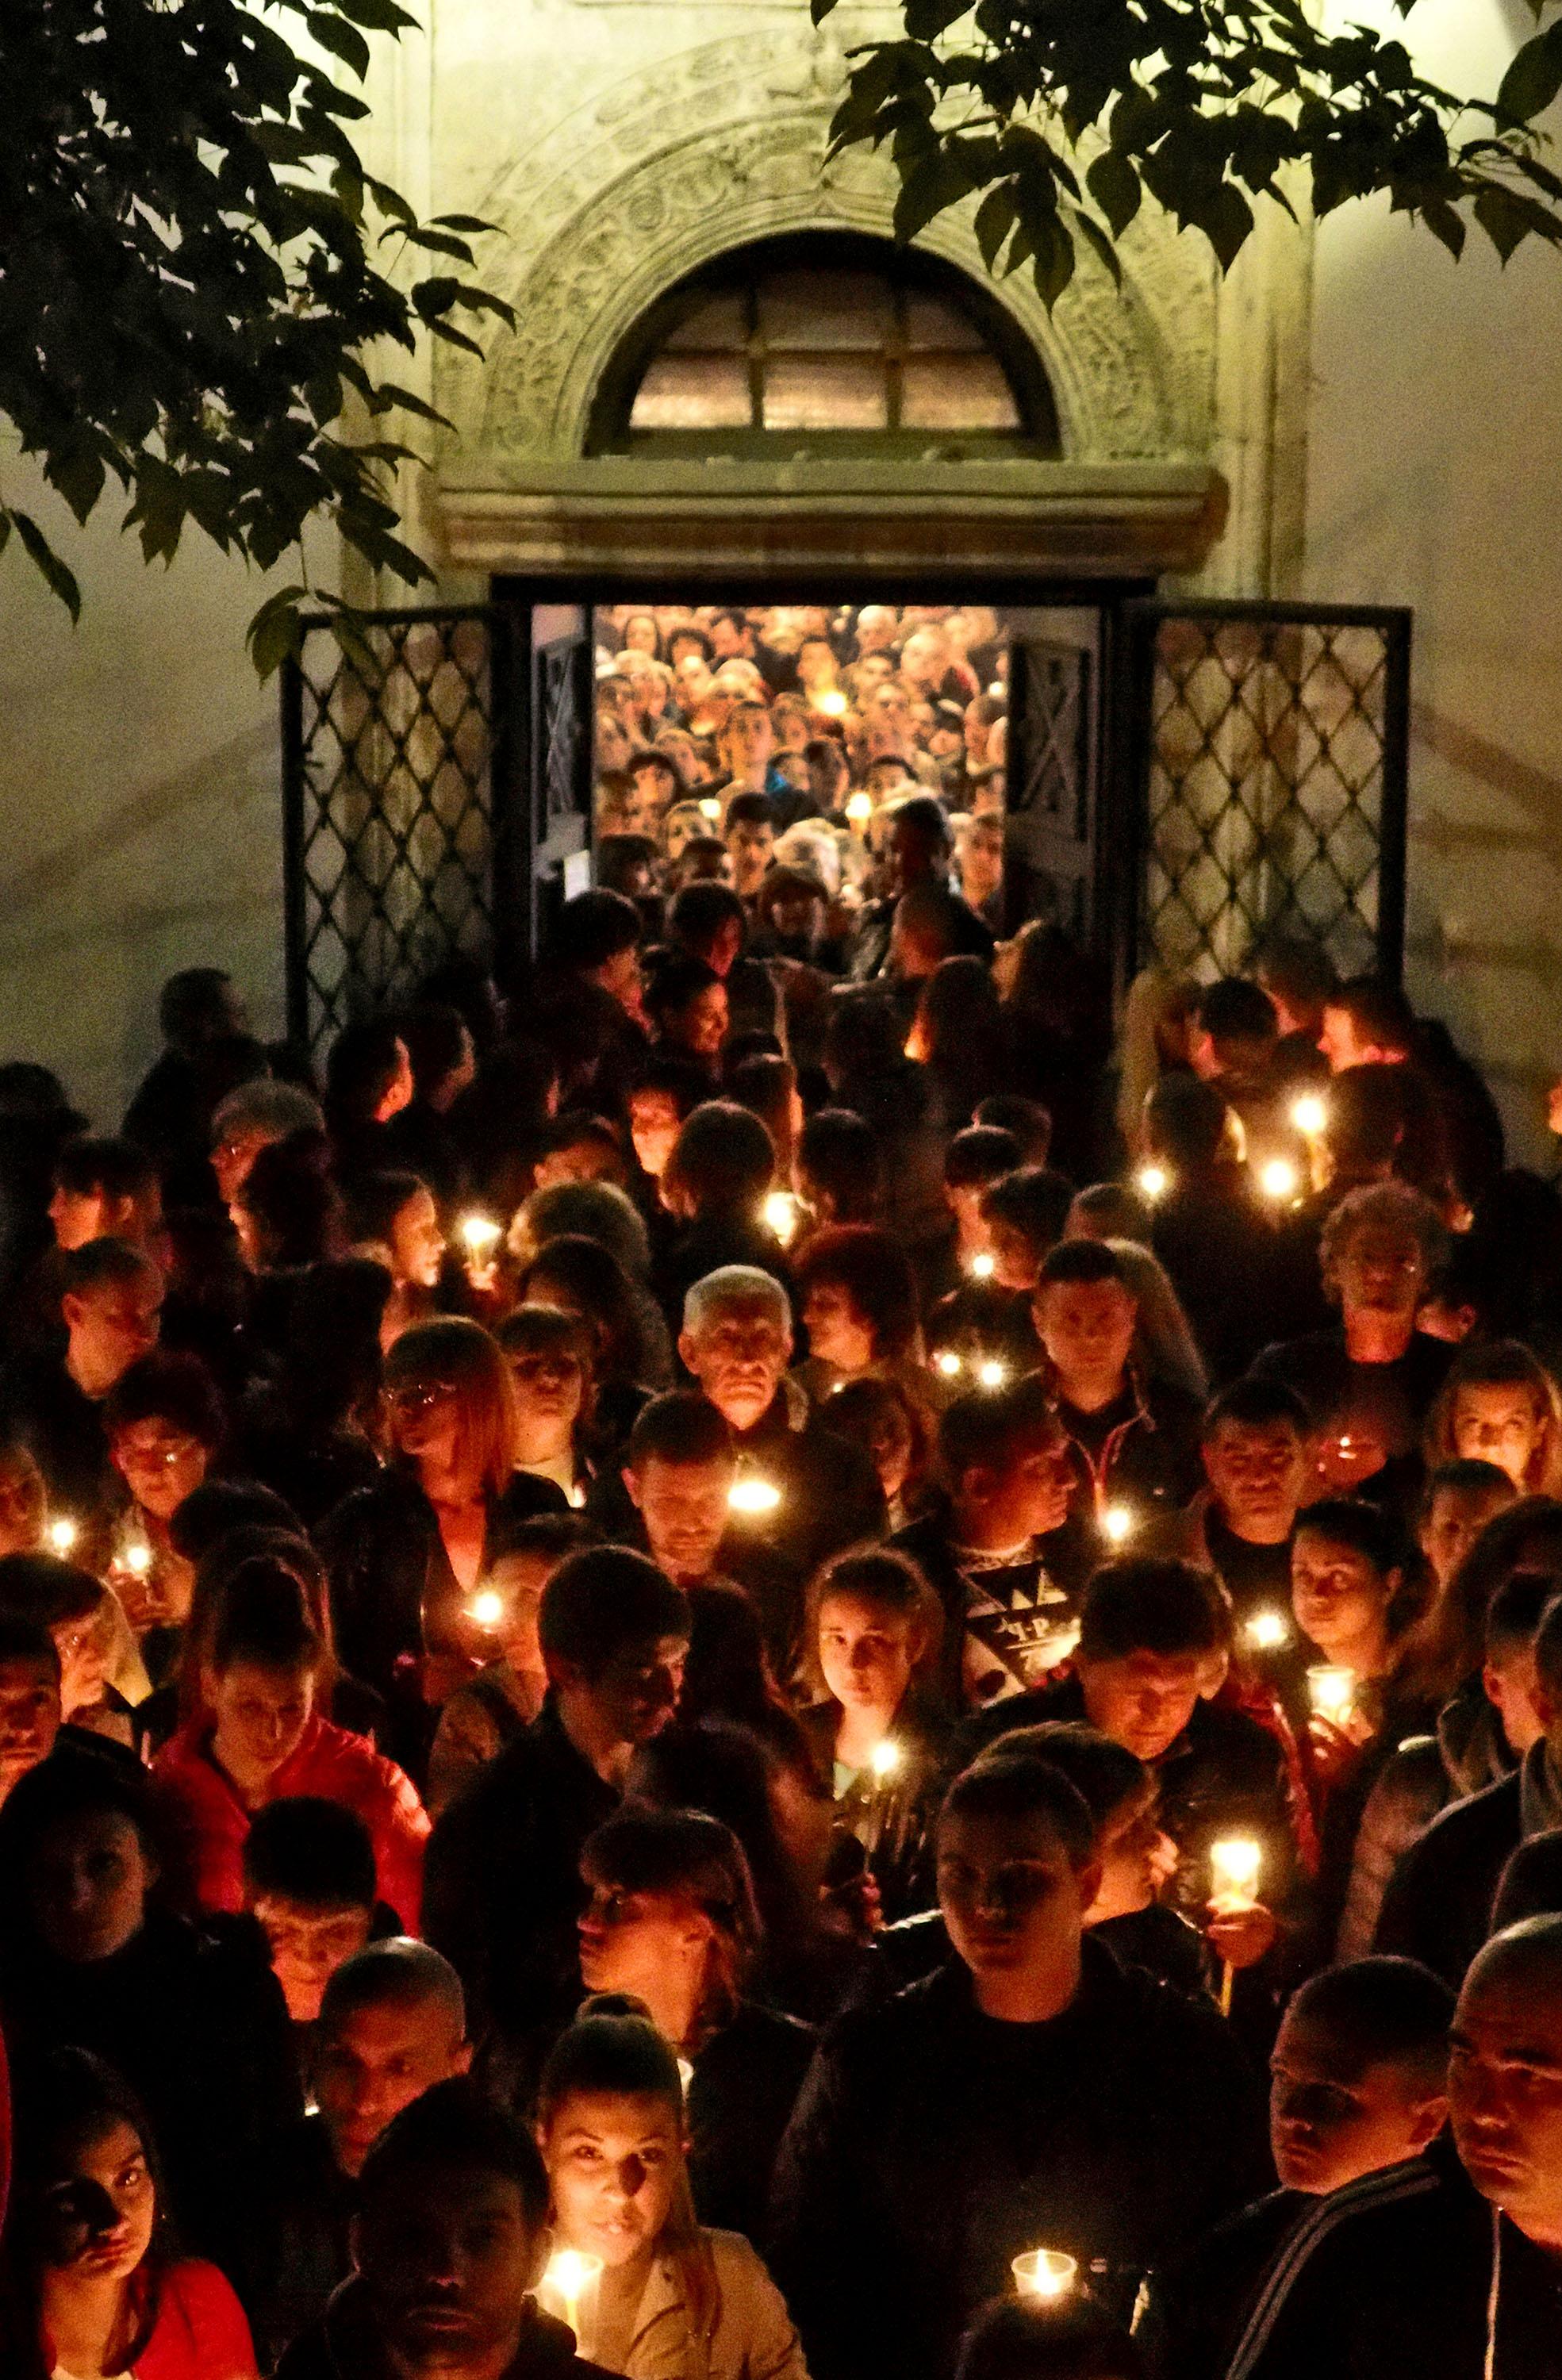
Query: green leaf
(1534, 79)
(995, 220)
(1116, 189)
(937, 183)
(343, 40)
(78, 471)
(56, 576)
(275, 633)
(1440, 219)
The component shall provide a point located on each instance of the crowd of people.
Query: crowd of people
(788, 1656)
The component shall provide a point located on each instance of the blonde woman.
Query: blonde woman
(1499, 1405)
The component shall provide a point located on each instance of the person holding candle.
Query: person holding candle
(880, 1739)
(164, 1424)
(670, 2295)
(614, 1635)
(102, 1679)
(97, 2284)
(1034, 2084)
(673, 1920)
(448, 2245)
(1358, 2097)
(394, 1218)
(984, 1548)
(550, 1364)
(260, 1737)
(479, 1718)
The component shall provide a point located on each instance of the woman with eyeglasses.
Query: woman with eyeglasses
(164, 1423)
(407, 1556)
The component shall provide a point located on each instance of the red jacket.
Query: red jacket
(330, 1763)
(198, 2333)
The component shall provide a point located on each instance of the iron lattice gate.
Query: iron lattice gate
(398, 809)
(1267, 747)
(1050, 836)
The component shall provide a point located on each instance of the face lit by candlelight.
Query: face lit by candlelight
(1335, 2115)
(1011, 1897)
(418, 1243)
(1500, 1425)
(639, 1942)
(447, 2253)
(613, 2161)
(100, 2205)
(1137, 1856)
(308, 1943)
(373, 2061)
(738, 1354)
(684, 1506)
(867, 1654)
(1258, 1471)
(1339, 1597)
(1505, 2078)
(160, 1464)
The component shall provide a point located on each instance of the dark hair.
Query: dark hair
(1143, 1605)
(764, 1083)
(264, 1617)
(66, 2099)
(56, 1793)
(1379, 1011)
(548, 1535)
(722, 1161)
(435, 1037)
(23, 1638)
(888, 1581)
(1256, 1403)
(1548, 1648)
(1383, 2009)
(291, 1197)
(1030, 1123)
(591, 929)
(591, 1277)
(1102, 1772)
(361, 1068)
(980, 1154)
(603, 1600)
(311, 1850)
(1364, 1119)
(874, 1271)
(1034, 1203)
(681, 1427)
(217, 1507)
(644, 1850)
(924, 813)
(612, 2046)
(989, 1432)
(679, 1080)
(1465, 1474)
(748, 810)
(1516, 1610)
(1018, 2338)
(166, 1385)
(1240, 1019)
(1014, 1785)
(1081, 1260)
(119, 1168)
(1186, 1121)
(1302, 972)
(1368, 1529)
(701, 911)
(453, 2128)
(192, 1005)
(1449, 1645)
(675, 977)
(837, 1154)
(376, 1200)
(103, 1264)
(42, 1587)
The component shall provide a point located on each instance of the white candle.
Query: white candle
(480, 1233)
(1044, 2273)
(1267, 1629)
(753, 1495)
(1309, 1116)
(1117, 1523)
(1154, 1180)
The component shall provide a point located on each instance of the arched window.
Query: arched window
(825, 344)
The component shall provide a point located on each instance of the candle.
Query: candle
(947, 1364)
(1234, 1864)
(1117, 1523)
(1331, 1689)
(136, 1558)
(832, 702)
(479, 1233)
(62, 1536)
(982, 1265)
(1044, 2273)
(992, 1374)
(1309, 1116)
(885, 1759)
(686, 2074)
(487, 1607)
(565, 2282)
(1279, 1179)
(1265, 1629)
(1154, 1180)
(859, 810)
(753, 1495)
(711, 808)
(780, 1211)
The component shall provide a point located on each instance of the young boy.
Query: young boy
(310, 1884)
(1460, 1498)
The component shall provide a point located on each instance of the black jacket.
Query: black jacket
(1385, 2279)
(1437, 1907)
(298, 2251)
(501, 1888)
(746, 2084)
(932, 2145)
(345, 2345)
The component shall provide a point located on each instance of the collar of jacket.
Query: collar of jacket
(354, 2350)
(786, 1415)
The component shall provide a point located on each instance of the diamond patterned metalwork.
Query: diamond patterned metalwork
(389, 793)
(1275, 784)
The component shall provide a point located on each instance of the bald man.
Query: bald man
(392, 2023)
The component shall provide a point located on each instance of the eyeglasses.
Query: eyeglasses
(419, 1396)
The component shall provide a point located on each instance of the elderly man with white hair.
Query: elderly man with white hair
(803, 1492)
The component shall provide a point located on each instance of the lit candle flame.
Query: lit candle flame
(62, 1536)
(832, 702)
(1267, 1629)
(947, 1363)
(992, 1374)
(137, 1558)
(753, 1495)
(1044, 2273)
(780, 1211)
(1331, 1689)
(885, 1758)
(480, 1233)
(1234, 1866)
(487, 1607)
(567, 2278)
(1154, 1180)
(710, 808)
(1117, 1522)
(859, 810)
(1278, 1178)
(1309, 1116)
(982, 1265)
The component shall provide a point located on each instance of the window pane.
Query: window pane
(824, 309)
(693, 393)
(718, 323)
(931, 323)
(956, 392)
(826, 393)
